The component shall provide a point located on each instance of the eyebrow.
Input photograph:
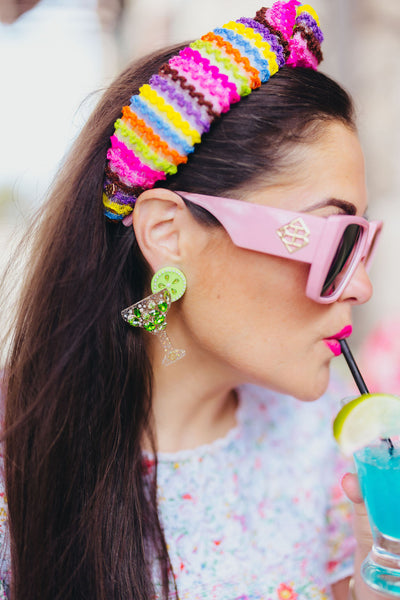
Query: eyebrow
(347, 207)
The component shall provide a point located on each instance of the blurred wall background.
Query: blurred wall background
(57, 55)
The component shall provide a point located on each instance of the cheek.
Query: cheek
(248, 305)
(245, 315)
(249, 313)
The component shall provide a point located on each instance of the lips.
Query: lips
(333, 342)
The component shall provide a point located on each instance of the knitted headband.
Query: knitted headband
(167, 118)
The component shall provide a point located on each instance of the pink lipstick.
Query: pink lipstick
(333, 341)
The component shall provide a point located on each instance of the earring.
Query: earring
(168, 285)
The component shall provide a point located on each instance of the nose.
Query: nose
(359, 289)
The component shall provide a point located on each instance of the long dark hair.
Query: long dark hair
(78, 382)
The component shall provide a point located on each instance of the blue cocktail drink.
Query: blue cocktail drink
(378, 469)
(379, 473)
(361, 420)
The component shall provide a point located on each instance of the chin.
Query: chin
(309, 396)
(305, 385)
(301, 391)
(309, 386)
(314, 388)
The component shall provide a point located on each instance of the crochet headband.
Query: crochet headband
(162, 124)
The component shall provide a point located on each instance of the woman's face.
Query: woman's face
(246, 312)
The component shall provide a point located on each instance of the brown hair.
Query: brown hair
(82, 507)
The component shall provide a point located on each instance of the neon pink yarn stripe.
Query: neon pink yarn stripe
(217, 83)
(203, 83)
(300, 55)
(282, 16)
(130, 166)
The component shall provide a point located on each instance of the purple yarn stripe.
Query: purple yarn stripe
(119, 196)
(169, 88)
(267, 36)
(310, 22)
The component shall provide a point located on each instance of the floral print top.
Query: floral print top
(260, 514)
(4, 541)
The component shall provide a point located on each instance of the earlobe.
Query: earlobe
(157, 220)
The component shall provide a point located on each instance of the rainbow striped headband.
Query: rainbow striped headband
(162, 124)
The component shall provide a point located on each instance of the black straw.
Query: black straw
(355, 371)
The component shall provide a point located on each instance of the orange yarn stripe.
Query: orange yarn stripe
(240, 60)
(152, 139)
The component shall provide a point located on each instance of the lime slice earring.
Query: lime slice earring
(168, 285)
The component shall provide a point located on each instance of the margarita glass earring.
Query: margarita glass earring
(168, 285)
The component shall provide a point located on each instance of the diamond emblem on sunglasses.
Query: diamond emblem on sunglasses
(295, 235)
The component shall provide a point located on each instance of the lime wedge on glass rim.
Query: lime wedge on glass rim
(365, 419)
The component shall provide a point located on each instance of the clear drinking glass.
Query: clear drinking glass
(378, 470)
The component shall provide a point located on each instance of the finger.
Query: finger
(361, 525)
(351, 488)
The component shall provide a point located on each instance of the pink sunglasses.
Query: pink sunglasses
(334, 246)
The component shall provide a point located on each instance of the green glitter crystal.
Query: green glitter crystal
(134, 322)
(159, 318)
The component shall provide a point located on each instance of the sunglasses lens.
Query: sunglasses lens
(342, 258)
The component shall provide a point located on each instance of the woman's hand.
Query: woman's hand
(362, 529)
(362, 532)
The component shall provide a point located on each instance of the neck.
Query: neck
(194, 400)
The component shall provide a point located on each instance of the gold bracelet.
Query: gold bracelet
(352, 591)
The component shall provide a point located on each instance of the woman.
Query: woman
(244, 474)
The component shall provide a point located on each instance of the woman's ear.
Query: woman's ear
(158, 221)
